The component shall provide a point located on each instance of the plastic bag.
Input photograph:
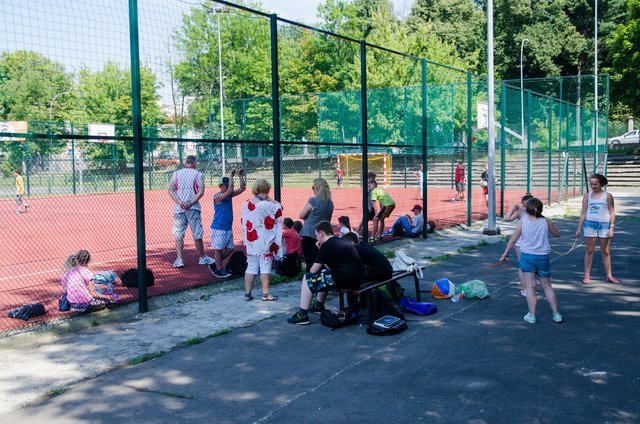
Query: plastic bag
(474, 289)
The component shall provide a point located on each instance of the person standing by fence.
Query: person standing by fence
(186, 187)
(597, 221)
(317, 209)
(221, 234)
(458, 180)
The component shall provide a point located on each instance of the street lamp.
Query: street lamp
(595, 86)
(522, 92)
(218, 11)
(51, 106)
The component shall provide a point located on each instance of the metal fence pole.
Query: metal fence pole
(73, 162)
(365, 139)
(113, 165)
(26, 165)
(528, 119)
(469, 149)
(275, 106)
(503, 136)
(549, 108)
(136, 109)
(424, 174)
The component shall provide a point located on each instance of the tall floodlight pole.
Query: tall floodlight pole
(595, 86)
(224, 167)
(522, 94)
(491, 228)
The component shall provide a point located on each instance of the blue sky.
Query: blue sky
(305, 10)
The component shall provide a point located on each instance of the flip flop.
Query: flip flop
(248, 297)
(585, 281)
(268, 297)
(613, 280)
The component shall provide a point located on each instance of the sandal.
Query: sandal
(585, 281)
(268, 297)
(613, 280)
(248, 297)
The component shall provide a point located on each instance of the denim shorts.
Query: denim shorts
(538, 264)
(596, 229)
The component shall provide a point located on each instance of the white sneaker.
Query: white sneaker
(178, 263)
(205, 260)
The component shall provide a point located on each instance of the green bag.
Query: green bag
(474, 289)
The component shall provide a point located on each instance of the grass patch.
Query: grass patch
(505, 239)
(144, 358)
(220, 332)
(466, 249)
(389, 254)
(440, 258)
(55, 392)
(483, 243)
(194, 341)
(205, 297)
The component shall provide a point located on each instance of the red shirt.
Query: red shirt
(459, 174)
(292, 238)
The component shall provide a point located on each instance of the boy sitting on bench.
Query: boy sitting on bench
(337, 265)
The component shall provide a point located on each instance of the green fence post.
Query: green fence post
(73, 162)
(113, 165)
(275, 106)
(595, 142)
(423, 133)
(550, 141)
(180, 146)
(26, 165)
(606, 128)
(503, 136)
(469, 149)
(365, 139)
(136, 109)
(528, 120)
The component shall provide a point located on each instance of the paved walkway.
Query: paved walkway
(474, 361)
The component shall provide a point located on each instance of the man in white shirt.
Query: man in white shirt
(186, 187)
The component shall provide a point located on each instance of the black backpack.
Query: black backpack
(338, 320)
(290, 265)
(379, 308)
(237, 264)
(129, 278)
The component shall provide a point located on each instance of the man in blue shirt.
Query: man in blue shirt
(221, 234)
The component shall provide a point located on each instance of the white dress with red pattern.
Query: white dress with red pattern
(262, 228)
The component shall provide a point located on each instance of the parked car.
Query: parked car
(632, 137)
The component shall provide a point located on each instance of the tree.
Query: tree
(29, 82)
(624, 47)
(460, 23)
(105, 97)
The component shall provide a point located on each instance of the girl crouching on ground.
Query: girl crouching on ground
(78, 284)
(534, 256)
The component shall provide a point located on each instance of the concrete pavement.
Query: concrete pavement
(474, 361)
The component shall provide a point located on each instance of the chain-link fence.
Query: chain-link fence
(96, 160)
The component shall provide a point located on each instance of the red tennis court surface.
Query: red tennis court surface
(36, 244)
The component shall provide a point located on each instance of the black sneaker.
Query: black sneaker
(297, 319)
(316, 307)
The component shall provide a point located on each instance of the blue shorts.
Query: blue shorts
(538, 264)
(596, 229)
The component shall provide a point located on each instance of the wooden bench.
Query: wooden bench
(367, 288)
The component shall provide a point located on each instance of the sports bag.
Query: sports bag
(337, 320)
(379, 308)
(408, 304)
(129, 278)
(237, 264)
